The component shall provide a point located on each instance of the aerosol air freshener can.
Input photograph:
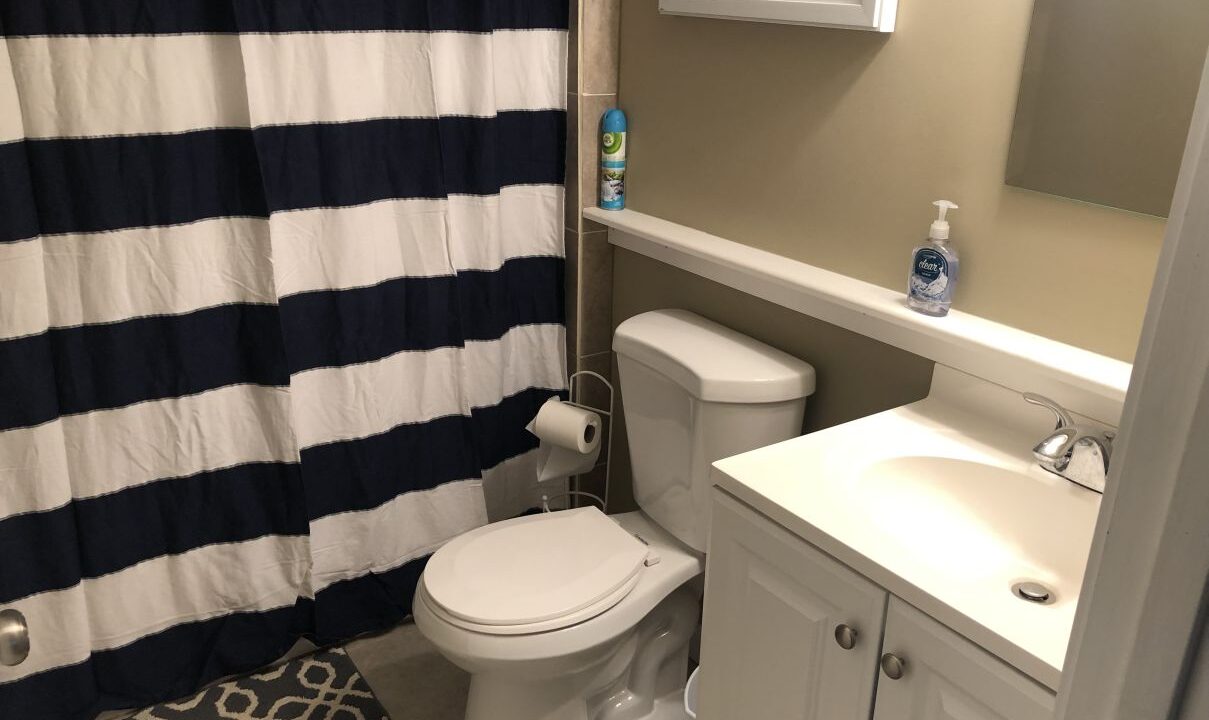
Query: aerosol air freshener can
(612, 160)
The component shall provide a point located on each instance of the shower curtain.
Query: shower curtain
(280, 286)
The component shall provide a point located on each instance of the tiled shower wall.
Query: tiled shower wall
(591, 89)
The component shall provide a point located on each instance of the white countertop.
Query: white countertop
(951, 542)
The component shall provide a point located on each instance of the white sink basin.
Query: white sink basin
(941, 503)
(994, 526)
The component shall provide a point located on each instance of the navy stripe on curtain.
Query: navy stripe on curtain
(94, 184)
(144, 180)
(435, 450)
(16, 189)
(93, 367)
(357, 162)
(144, 17)
(258, 359)
(326, 329)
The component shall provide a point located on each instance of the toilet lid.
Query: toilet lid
(535, 570)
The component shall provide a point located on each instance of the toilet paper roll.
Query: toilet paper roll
(566, 426)
(570, 439)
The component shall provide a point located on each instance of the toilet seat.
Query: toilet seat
(533, 574)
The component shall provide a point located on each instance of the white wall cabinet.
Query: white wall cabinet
(774, 644)
(877, 15)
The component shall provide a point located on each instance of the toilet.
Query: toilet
(578, 615)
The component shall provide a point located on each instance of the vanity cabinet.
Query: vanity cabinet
(789, 633)
(946, 677)
(776, 613)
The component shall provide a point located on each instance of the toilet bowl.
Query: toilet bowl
(564, 673)
(575, 615)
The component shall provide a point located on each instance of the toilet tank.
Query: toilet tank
(694, 392)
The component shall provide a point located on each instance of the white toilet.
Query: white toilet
(576, 615)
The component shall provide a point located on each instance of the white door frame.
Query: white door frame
(1139, 625)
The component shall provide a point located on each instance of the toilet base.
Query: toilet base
(641, 677)
(668, 707)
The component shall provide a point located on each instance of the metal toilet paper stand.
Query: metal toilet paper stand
(575, 395)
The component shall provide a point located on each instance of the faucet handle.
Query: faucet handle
(1079, 453)
(1063, 416)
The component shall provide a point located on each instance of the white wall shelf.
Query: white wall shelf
(1088, 383)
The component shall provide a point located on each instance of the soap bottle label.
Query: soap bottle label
(930, 278)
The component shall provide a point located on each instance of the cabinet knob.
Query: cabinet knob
(845, 636)
(14, 637)
(893, 666)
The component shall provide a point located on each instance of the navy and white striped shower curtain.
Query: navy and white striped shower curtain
(280, 286)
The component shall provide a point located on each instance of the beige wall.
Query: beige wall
(829, 146)
(856, 376)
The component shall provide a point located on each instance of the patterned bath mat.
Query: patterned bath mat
(322, 686)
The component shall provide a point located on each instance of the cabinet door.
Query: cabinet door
(946, 677)
(772, 605)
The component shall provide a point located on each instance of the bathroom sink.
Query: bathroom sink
(993, 525)
(942, 503)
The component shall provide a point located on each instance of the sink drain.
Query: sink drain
(1033, 592)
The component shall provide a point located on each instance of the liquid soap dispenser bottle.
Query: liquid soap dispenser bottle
(934, 266)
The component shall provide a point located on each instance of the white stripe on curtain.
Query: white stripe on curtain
(81, 86)
(11, 127)
(337, 77)
(352, 544)
(22, 289)
(334, 248)
(168, 270)
(355, 401)
(105, 451)
(89, 278)
(101, 86)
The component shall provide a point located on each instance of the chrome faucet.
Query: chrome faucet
(1079, 453)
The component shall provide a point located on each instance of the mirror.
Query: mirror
(1106, 99)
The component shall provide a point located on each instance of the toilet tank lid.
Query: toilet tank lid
(711, 361)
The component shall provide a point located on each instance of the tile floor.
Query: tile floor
(411, 679)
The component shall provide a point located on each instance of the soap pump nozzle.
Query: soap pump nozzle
(940, 226)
